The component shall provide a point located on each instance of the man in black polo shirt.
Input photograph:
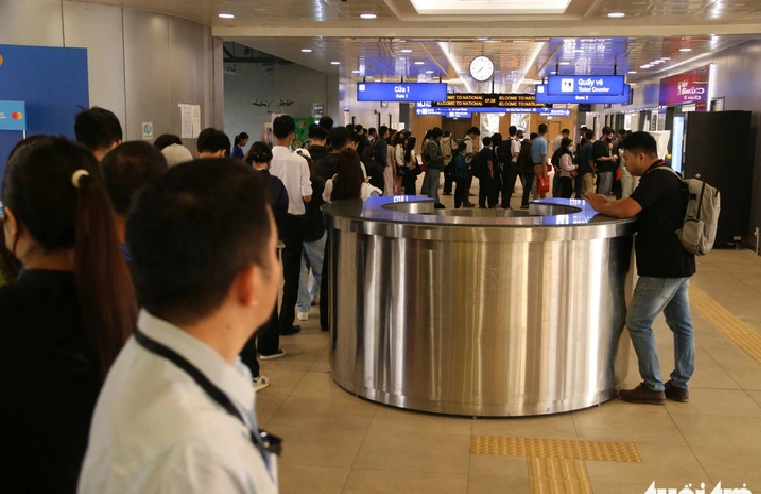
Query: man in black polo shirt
(664, 267)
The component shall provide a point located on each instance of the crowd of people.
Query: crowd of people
(140, 284)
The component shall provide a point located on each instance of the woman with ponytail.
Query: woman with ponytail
(240, 142)
(66, 317)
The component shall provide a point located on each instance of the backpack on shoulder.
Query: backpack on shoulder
(698, 232)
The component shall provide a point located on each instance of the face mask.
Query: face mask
(570, 148)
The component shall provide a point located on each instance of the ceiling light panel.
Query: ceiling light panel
(490, 7)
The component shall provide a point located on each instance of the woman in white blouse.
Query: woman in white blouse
(349, 182)
(568, 169)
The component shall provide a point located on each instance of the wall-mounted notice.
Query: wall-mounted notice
(318, 111)
(147, 130)
(191, 121)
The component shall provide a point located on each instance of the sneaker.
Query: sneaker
(289, 331)
(677, 394)
(280, 353)
(261, 382)
(447, 193)
(469, 205)
(438, 205)
(643, 395)
(302, 316)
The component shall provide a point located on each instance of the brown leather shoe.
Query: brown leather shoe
(643, 395)
(677, 394)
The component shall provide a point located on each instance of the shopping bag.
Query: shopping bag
(543, 184)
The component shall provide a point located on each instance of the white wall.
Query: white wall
(302, 85)
(141, 65)
(365, 111)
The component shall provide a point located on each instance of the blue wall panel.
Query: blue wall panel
(52, 82)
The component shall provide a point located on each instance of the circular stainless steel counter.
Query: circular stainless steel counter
(477, 312)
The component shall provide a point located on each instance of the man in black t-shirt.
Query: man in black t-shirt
(664, 267)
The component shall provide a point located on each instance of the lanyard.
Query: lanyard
(655, 165)
(261, 439)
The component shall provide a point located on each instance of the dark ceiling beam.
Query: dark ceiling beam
(274, 60)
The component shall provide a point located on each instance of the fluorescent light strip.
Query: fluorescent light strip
(531, 62)
(227, 16)
(454, 65)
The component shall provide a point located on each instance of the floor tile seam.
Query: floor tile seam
(361, 444)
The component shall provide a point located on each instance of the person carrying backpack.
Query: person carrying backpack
(460, 175)
(664, 266)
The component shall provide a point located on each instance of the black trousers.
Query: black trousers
(528, 181)
(448, 179)
(268, 339)
(377, 178)
(578, 186)
(327, 270)
(566, 187)
(460, 192)
(293, 236)
(486, 195)
(409, 180)
(509, 175)
(556, 184)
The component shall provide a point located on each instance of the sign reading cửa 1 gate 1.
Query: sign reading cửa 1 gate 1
(385, 91)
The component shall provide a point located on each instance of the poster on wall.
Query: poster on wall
(686, 88)
(12, 115)
(302, 131)
(521, 120)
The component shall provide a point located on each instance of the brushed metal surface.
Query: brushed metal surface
(522, 317)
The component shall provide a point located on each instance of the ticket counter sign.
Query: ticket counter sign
(386, 91)
(12, 115)
(543, 96)
(587, 85)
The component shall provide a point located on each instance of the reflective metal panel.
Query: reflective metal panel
(501, 320)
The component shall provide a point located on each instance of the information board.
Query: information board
(488, 100)
(587, 85)
(583, 99)
(386, 91)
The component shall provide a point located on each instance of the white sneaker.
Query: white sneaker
(261, 382)
(280, 353)
(302, 316)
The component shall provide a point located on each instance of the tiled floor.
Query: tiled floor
(337, 443)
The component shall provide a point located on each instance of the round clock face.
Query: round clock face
(481, 68)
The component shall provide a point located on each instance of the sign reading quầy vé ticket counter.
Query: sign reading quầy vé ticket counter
(12, 115)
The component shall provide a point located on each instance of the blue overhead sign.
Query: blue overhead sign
(443, 112)
(583, 99)
(555, 112)
(585, 85)
(385, 91)
(12, 115)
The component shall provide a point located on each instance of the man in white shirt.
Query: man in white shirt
(557, 141)
(293, 171)
(177, 410)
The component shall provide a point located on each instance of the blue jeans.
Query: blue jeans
(433, 183)
(651, 297)
(307, 293)
(605, 183)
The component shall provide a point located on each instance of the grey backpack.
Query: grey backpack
(698, 231)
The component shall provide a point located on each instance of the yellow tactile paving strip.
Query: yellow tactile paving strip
(554, 448)
(733, 328)
(558, 476)
(556, 466)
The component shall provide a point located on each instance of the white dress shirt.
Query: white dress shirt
(293, 171)
(156, 430)
(365, 192)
